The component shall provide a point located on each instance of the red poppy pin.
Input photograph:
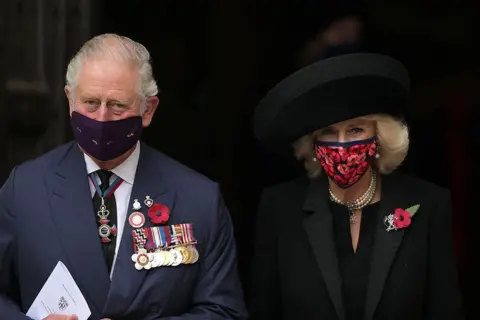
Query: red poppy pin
(400, 218)
(158, 213)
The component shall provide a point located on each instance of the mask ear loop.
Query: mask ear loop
(314, 158)
(377, 153)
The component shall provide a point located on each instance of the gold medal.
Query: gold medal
(187, 255)
(195, 255)
(191, 255)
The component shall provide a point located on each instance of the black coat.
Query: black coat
(295, 268)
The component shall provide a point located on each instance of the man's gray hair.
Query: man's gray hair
(120, 48)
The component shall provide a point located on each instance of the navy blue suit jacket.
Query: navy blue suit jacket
(46, 215)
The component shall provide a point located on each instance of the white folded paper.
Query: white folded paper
(59, 295)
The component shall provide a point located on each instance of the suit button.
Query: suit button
(153, 309)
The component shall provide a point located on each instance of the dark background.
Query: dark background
(214, 60)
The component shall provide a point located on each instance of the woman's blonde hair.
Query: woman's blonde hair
(393, 141)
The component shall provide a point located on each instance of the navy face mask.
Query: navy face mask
(106, 140)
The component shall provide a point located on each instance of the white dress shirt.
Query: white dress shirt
(126, 171)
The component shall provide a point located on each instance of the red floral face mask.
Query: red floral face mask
(346, 162)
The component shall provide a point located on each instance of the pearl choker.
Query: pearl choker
(359, 203)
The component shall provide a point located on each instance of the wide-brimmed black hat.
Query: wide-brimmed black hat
(330, 91)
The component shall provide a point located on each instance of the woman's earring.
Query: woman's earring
(377, 155)
(314, 159)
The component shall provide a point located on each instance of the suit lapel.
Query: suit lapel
(126, 280)
(386, 243)
(319, 229)
(73, 214)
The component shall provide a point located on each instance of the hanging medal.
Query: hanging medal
(136, 218)
(136, 205)
(148, 201)
(105, 230)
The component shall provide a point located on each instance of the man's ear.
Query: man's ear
(69, 95)
(150, 107)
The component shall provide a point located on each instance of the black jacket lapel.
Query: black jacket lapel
(386, 243)
(320, 234)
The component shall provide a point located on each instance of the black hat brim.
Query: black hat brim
(330, 91)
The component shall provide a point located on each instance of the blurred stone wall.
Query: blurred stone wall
(37, 38)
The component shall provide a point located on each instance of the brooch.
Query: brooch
(400, 218)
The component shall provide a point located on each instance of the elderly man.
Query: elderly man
(142, 236)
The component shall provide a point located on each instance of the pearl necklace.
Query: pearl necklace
(359, 203)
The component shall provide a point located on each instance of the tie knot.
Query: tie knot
(104, 176)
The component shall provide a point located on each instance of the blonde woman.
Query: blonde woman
(354, 239)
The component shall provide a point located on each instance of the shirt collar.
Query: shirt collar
(126, 170)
